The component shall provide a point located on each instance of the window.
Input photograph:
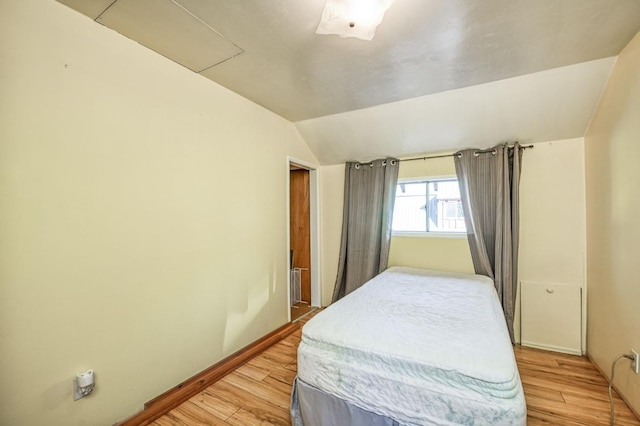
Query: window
(428, 206)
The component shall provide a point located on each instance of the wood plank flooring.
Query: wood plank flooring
(300, 309)
(560, 390)
(567, 390)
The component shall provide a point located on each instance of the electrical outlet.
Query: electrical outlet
(635, 364)
(77, 391)
(83, 384)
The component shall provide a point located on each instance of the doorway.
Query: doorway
(303, 250)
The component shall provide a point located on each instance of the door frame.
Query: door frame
(314, 237)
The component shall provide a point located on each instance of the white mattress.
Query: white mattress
(422, 347)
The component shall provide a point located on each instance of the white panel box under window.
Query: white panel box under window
(551, 316)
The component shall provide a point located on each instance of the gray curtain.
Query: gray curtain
(489, 181)
(369, 194)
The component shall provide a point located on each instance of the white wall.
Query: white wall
(142, 214)
(613, 232)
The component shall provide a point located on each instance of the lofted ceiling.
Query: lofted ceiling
(439, 74)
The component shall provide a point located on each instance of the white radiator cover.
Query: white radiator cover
(551, 316)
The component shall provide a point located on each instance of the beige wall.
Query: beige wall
(613, 233)
(142, 214)
(441, 253)
(331, 203)
(552, 215)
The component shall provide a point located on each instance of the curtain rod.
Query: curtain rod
(451, 155)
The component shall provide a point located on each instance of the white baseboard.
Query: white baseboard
(552, 348)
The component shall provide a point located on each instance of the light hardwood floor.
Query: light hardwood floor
(300, 309)
(567, 390)
(560, 390)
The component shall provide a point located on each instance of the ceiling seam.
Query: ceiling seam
(222, 61)
(107, 8)
(206, 25)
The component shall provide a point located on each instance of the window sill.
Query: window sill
(455, 235)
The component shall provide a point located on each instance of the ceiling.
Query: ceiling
(421, 85)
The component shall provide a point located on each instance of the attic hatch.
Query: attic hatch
(166, 27)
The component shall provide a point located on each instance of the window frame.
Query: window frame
(427, 234)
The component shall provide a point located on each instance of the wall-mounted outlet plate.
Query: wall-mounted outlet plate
(635, 364)
(77, 391)
(83, 384)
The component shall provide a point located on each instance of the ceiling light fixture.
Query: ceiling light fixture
(352, 18)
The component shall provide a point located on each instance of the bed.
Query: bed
(410, 347)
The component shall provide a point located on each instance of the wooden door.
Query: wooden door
(300, 228)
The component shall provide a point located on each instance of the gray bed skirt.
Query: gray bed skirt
(312, 407)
